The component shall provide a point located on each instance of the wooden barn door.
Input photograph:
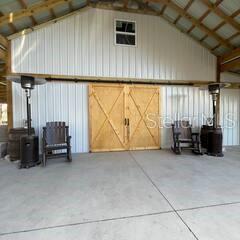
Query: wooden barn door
(118, 117)
(107, 113)
(143, 104)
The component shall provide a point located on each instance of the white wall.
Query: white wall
(68, 101)
(83, 45)
(189, 102)
(196, 104)
(56, 101)
(230, 116)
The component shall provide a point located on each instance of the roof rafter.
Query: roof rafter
(158, 13)
(163, 9)
(71, 8)
(125, 3)
(204, 15)
(221, 14)
(52, 12)
(230, 56)
(231, 66)
(24, 5)
(222, 24)
(11, 25)
(186, 8)
(30, 10)
(230, 61)
(195, 21)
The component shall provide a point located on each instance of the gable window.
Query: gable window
(125, 33)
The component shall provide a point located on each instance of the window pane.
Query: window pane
(122, 26)
(125, 39)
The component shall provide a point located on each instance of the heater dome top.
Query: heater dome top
(27, 82)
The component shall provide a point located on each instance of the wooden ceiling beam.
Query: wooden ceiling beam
(109, 6)
(148, 9)
(71, 8)
(231, 66)
(222, 24)
(205, 15)
(3, 55)
(3, 41)
(163, 9)
(221, 14)
(185, 9)
(125, 3)
(233, 36)
(52, 12)
(31, 10)
(24, 5)
(195, 22)
(10, 25)
(200, 20)
(230, 56)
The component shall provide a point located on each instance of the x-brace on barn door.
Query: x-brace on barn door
(119, 117)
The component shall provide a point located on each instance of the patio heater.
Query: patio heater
(214, 135)
(29, 144)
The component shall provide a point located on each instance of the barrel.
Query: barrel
(14, 138)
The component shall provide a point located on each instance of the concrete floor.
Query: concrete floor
(143, 195)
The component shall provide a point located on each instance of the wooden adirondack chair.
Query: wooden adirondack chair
(56, 137)
(182, 134)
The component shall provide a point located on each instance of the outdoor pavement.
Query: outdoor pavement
(139, 195)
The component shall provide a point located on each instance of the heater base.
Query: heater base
(215, 154)
(214, 143)
(29, 154)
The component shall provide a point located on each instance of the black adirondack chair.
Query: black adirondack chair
(56, 137)
(183, 137)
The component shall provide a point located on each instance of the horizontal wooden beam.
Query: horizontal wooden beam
(194, 21)
(35, 8)
(112, 79)
(230, 56)
(231, 66)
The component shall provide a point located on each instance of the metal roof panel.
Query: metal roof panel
(211, 42)
(212, 20)
(230, 6)
(171, 14)
(197, 9)
(184, 23)
(226, 31)
(8, 6)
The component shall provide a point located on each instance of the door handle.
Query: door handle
(128, 129)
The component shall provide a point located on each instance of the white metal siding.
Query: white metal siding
(230, 116)
(56, 101)
(183, 102)
(68, 102)
(83, 45)
(196, 104)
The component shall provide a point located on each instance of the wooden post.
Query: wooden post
(9, 89)
(218, 79)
